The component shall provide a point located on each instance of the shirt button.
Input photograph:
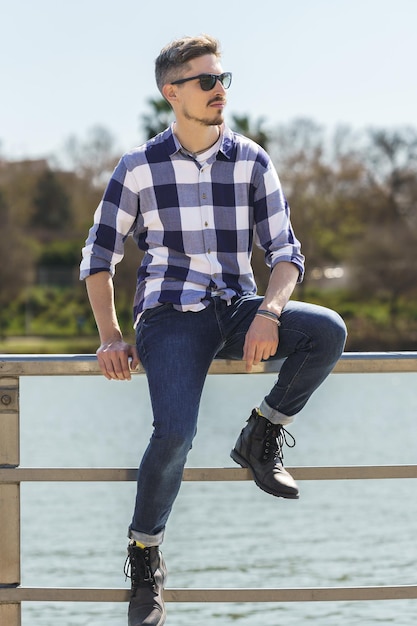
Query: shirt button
(205, 223)
(208, 251)
(204, 196)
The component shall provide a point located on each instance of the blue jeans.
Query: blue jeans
(176, 350)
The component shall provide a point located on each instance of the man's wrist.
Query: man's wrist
(269, 315)
(110, 339)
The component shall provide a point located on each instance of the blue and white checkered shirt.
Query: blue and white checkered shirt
(195, 221)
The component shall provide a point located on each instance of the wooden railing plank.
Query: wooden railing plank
(303, 594)
(86, 364)
(206, 474)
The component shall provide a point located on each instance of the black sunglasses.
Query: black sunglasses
(208, 81)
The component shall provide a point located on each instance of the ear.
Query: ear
(170, 93)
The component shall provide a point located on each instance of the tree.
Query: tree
(16, 256)
(94, 158)
(323, 180)
(384, 265)
(52, 204)
(392, 168)
(384, 260)
(254, 130)
(158, 119)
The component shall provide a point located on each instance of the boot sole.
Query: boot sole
(243, 463)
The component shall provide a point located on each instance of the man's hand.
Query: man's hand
(117, 359)
(261, 341)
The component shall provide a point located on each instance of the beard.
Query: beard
(215, 119)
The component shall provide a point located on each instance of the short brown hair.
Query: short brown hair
(178, 53)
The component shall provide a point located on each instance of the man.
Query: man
(193, 198)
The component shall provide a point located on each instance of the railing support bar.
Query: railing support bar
(10, 612)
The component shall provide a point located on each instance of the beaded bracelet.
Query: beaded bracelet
(269, 315)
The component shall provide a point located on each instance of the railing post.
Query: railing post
(10, 613)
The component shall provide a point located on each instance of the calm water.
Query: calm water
(224, 534)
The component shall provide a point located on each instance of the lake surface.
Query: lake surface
(340, 533)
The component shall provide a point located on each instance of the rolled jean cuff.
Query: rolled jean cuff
(147, 540)
(275, 416)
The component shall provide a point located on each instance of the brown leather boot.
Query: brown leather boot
(259, 447)
(147, 571)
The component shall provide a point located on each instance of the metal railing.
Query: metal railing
(12, 594)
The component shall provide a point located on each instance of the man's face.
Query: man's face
(195, 104)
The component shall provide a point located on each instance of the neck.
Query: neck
(197, 140)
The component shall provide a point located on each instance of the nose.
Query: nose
(219, 87)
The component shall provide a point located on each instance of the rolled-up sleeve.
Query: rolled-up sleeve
(274, 232)
(114, 219)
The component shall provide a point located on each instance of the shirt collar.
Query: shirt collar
(226, 146)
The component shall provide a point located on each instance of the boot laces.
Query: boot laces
(137, 567)
(275, 438)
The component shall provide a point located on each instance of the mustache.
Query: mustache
(217, 99)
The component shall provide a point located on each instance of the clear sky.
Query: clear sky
(69, 65)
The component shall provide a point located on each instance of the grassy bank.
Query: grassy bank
(48, 345)
(61, 325)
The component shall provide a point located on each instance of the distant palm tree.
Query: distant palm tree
(244, 125)
(158, 119)
(161, 116)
